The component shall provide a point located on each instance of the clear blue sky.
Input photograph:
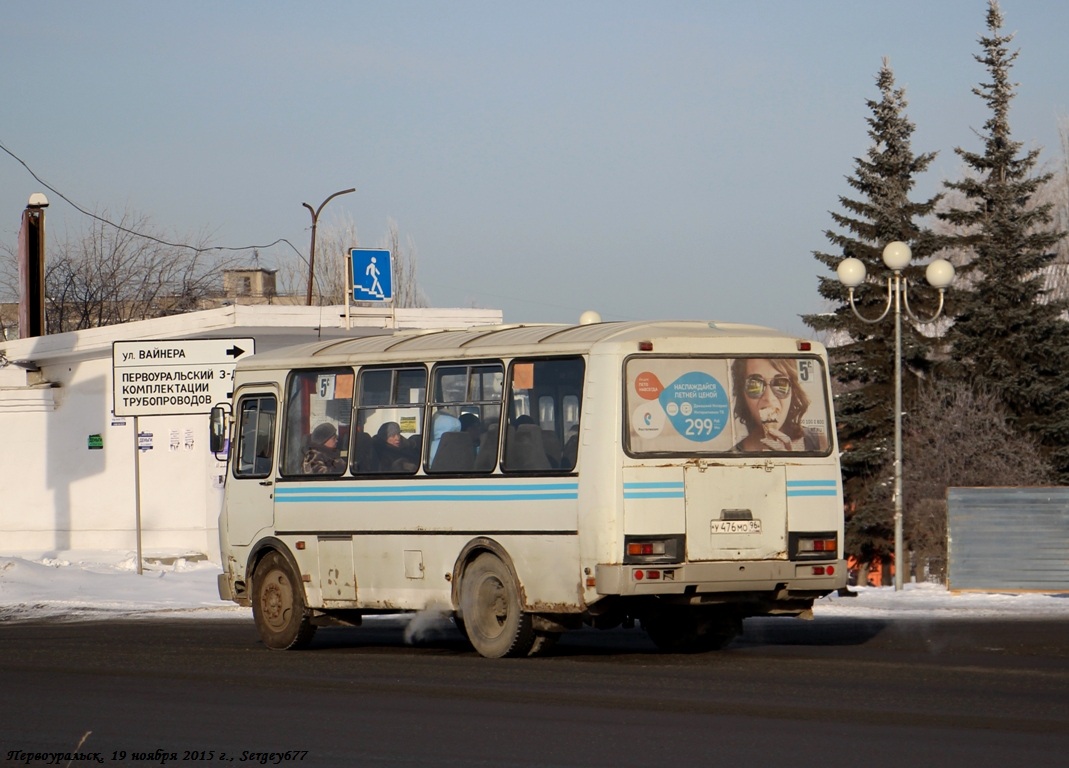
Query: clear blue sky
(645, 159)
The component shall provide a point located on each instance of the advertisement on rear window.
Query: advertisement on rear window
(727, 405)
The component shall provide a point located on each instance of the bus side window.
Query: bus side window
(466, 411)
(316, 430)
(542, 440)
(389, 412)
(256, 436)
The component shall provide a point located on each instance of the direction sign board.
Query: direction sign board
(174, 376)
(372, 274)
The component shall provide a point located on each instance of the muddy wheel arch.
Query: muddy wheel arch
(472, 550)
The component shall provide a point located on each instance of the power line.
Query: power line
(121, 228)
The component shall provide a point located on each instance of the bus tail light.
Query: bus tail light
(643, 550)
(646, 548)
(819, 545)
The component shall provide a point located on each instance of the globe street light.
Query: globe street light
(940, 274)
(312, 250)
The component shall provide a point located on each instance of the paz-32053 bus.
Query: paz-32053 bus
(534, 479)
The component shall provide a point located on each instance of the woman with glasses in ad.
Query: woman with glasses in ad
(771, 403)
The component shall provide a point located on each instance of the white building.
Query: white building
(70, 469)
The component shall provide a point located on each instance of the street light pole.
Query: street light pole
(312, 249)
(940, 274)
(31, 260)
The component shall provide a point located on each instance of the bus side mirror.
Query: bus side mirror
(218, 428)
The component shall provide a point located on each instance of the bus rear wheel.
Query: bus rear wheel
(491, 612)
(278, 605)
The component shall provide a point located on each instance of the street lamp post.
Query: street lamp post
(940, 274)
(312, 249)
(31, 259)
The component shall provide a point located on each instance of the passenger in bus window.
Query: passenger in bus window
(470, 425)
(570, 451)
(770, 403)
(443, 422)
(391, 450)
(363, 450)
(322, 457)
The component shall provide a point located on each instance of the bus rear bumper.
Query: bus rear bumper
(721, 577)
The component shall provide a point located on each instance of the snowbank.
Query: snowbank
(86, 586)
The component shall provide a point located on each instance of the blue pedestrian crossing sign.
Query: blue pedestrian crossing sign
(372, 274)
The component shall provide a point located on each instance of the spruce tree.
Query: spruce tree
(862, 354)
(1009, 334)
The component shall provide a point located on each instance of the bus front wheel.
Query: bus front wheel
(491, 612)
(278, 605)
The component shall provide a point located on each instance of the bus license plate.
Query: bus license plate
(736, 526)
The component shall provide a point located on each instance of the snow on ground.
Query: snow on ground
(929, 600)
(82, 586)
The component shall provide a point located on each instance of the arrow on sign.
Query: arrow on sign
(235, 351)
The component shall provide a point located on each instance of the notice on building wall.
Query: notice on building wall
(96, 442)
(144, 441)
(181, 439)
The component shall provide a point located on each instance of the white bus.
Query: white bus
(534, 479)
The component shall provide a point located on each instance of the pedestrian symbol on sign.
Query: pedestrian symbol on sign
(372, 274)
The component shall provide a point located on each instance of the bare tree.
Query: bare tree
(1058, 190)
(111, 275)
(9, 291)
(115, 274)
(956, 436)
(406, 290)
(333, 243)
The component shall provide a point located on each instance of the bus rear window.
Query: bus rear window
(734, 406)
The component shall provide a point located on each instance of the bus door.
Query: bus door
(250, 489)
(736, 512)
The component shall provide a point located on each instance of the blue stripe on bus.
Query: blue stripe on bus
(812, 488)
(664, 495)
(665, 490)
(509, 492)
(442, 497)
(420, 487)
(421, 492)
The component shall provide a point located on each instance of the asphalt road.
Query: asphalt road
(833, 692)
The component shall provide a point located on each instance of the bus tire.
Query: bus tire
(278, 605)
(491, 611)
